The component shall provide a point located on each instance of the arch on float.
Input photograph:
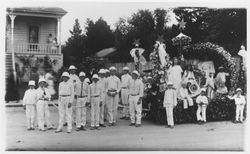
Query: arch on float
(216, 53)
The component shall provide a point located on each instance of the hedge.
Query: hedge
(219, 109)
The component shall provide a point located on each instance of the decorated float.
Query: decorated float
(201, 65)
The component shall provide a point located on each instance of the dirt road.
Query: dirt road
(211, 136)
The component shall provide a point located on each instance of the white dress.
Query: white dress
(175, 76)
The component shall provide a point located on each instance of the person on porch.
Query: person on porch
(175, 74)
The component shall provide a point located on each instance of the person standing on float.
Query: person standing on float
(175, 74)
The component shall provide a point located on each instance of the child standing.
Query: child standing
(43, 96)
(95, 95)
(65, 100)
(170, 101)
(29, 103)
(240, 102)
(81, 102)
(202, 103)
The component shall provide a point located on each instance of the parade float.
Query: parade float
(201, 63)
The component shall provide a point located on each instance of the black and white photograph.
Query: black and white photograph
(100, 76)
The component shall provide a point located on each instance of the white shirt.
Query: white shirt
(82, 89)
(113, 82)
(170, 98)
(74, 79)
(183, 93)
(102, 82)
(136, 87)
(202, 99)
(95, 89)
(125, 79)
(239, 100)
(42, 93)
(175, 74)
(30, 97)
(222, 76)
(66, 88)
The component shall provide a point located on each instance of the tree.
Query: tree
(98, 36)
(75, 47)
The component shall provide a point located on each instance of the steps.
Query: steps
(8, 64)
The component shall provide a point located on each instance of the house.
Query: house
(32, 33)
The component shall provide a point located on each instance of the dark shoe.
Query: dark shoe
(113, 124)
(171, 127)
(42, 130)
(167, 126)
(132, 124)
(45, 125)
(97, 128)
(68, 131)
(123, 118)
(83, 128)
(92, 128)
(58, 131)
(110, 124)
(102, 125)
(78, 129)
(29, 129)
(32, 128)
(50, 128)
(65, 124)
(137, 125)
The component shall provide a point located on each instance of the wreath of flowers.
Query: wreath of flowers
(230, 64)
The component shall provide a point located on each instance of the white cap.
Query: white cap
(42, 80)
(82, 74)
(66, 74)
(87, 80)
(32, 83)
(125, 68)
(170, 83)
(136, 72)
(112, 68)
(102, 71)
(72, 67)
(203, 89)
(95, 76)
(106, 70)
(238, 89)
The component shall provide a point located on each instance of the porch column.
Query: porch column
(12, 17)
(59, 34)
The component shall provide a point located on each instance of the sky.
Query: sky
(109, 11)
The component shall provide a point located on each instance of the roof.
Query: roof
(38, 10)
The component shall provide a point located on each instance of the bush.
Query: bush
(11, 89)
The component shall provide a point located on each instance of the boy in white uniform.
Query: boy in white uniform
(202, 102)
(29, 103)
(81, 103)
(170, 101)
(43, 96)
(102, 82)
(136, 88)
(113, 89)
(240, 102)
(66, 96)
(125, 79)
(95, 95)
(74, 79)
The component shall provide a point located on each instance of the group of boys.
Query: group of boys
(75, 95)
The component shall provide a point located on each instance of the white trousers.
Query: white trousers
(135, 109)
(65, 113)
(112, 103)
(239, 112)
(74, 110)
(47, 115)
(41, 112)
(186, 102)
(106, 107)
(102, 112)
(170, 115)
(201, 113)
(81, 112)
(30, 115)
(125, 102)
(95, 111)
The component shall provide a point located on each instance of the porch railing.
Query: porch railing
(35, 48)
